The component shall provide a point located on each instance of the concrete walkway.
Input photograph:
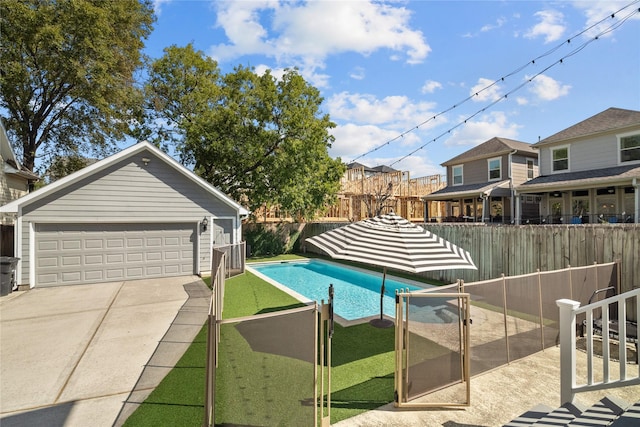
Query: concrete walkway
(498, 396)
(84, 355)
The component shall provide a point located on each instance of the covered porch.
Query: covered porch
(489, 202)
(587, 197)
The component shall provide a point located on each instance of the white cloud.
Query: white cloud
(546, 88)
(596, 11)
(399, 112)
(418, 164)
(551, 26)
(158, 4)
(306, 33)
(485, 90)
(357, 73)
(378, 127)
(353, 140)
(430, 86)
(499, 23)
(485, 127)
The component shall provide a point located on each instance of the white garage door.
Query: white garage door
(69, 254)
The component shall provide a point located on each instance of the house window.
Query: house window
(457, 175)
(495, 167)
(630, 148)
(530, 164)
(560, 159)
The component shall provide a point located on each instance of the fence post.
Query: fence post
(567, 349)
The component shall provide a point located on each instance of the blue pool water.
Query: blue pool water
(356, 294)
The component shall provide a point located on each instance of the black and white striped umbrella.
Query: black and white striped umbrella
(390, 241)
(393, 242)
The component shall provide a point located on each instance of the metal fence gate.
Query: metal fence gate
(271, 368)
(432, 349)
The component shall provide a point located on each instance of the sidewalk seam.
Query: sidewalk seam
(84, 351)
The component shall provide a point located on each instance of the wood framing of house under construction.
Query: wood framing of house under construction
(361, 192)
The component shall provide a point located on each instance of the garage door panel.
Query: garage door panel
(115, 258)
(135, 272)
(93, 275)
(93, 259)
(135, 257)
(69, 245)
(48, 245)
(71, 261)
(115, 274)
(93, 243)
(49, 261)
(72, 276)
(47, 279)
(154, 256)
(172, 269)
(115, 243)
(91, 253)
(154, 242)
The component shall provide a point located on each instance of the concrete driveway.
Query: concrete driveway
(83, 355)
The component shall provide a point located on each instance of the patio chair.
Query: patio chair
(631, 327)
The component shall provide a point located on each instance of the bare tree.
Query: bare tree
(379, 200)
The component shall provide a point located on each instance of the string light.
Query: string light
(520, 86)
(502, 79)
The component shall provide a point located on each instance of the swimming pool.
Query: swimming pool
(356, 292)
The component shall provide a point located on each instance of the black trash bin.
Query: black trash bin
(7, 274)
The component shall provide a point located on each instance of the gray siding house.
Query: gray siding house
(14, 178)
(590, 172)
(137, 214)
(480, 182)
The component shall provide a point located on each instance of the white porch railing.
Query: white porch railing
(569, 311)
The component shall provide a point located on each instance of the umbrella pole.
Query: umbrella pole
(384, 277)
(382, 322)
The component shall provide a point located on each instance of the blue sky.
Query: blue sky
(387, 68)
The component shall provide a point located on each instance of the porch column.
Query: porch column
(515, 204)
(636, 204)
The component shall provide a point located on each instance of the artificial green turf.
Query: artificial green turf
(246, 295)
(179, 398)
(257, 386)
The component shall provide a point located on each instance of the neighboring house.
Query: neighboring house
(14, 178)
(137, 214)
(590, 172)
(480, 182)
(357, 170)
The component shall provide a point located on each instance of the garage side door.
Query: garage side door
(69, 254)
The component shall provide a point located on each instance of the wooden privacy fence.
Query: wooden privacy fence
(522, 249)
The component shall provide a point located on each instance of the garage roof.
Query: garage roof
(135, 149)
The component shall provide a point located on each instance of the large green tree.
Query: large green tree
(261, 140)
(67, 73)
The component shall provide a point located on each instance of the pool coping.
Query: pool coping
(337, 318)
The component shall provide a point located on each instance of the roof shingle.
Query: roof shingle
(607, 120)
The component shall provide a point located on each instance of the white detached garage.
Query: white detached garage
(137, 214)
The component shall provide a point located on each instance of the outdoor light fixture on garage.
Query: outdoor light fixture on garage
(146, 160)
(205, 223)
